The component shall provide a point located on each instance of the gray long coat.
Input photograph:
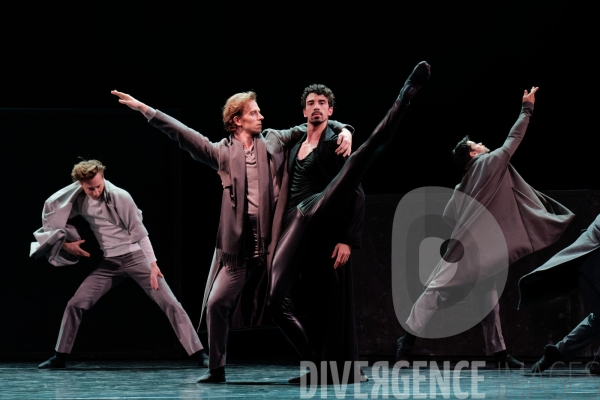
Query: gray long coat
(527, 220)
(65, 204)
(559, 274)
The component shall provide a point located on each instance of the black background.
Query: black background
(190, 57)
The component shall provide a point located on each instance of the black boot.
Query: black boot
(202, 358)
(404, 347)
(505, 360)
(551, 356)
(215, 375)
(595, 366)
(59, 360)
(415, 81)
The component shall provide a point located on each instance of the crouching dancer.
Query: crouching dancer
(117, 224)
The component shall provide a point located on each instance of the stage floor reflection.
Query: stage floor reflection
(177, 380)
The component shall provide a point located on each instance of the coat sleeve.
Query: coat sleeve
(198, 145)
(129, 214)
(51, 237)
(515, 136)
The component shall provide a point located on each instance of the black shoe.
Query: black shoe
(595, 366)
(216, 375)
(415, 81)
(403, 349)
(550, 357)
(54, 362)
(505, 360)
(202, 358)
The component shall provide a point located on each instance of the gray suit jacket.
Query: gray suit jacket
(65, 204)
(559, 274)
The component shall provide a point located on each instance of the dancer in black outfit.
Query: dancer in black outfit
(305, 245)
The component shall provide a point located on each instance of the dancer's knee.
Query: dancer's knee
(79, 304)
(216, 303)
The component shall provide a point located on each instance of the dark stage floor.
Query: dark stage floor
(177, 380)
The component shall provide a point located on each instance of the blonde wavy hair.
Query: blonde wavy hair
(234, 107)
(87, 169)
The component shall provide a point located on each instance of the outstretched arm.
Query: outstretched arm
(198, 145)
(130, 102)
(518, 130)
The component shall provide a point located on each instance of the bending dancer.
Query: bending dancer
(253, 170)
(117, 225)
(322, 190)
(576, 265)
(527, 219)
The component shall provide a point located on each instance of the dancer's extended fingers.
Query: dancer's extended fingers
(343, 148)
(338, 261)
(83, 253)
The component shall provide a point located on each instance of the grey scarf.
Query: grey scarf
(232, 249)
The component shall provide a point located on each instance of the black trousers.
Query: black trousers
(285, 271)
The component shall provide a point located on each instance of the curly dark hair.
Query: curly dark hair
(461, 152)
(317, 88)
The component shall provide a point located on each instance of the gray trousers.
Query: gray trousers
(223, 297)
(491, 325)
(588, 330)
(492, 331)
(110, 272)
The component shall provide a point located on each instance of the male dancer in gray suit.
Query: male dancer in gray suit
(252, 165)
(117, 225)
(576, 265)
(529, 221)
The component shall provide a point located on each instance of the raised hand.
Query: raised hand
(73, 248)
(530, 97)
(130, 102)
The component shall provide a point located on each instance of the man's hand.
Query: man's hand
(73, 248)
(154, 275)
(530, 97)
(342, 251)
(345, 143)
(130, 101)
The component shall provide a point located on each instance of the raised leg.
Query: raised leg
(284, 271)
